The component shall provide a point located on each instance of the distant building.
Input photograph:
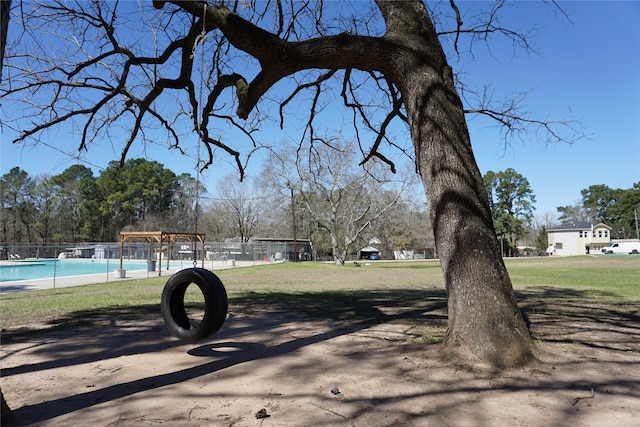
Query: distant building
(282, 249)
(369, 253)
(577, 238)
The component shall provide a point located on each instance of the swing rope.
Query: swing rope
(201, 38)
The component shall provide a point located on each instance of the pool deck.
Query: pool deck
(89, 279)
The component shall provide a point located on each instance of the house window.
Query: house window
(599, 233)
(580, 233)
(606, 233)
(558, 245)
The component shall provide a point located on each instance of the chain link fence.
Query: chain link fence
(27, 266)
(257, 250)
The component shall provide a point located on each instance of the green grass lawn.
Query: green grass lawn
(617, 275)
(393, 290)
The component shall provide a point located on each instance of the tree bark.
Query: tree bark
(482, 308)
(5, 8)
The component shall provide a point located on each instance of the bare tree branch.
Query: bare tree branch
(277, 57)
(513, 121)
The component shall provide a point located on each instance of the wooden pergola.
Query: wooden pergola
(160, 237)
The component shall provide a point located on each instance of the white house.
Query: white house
(577, 238)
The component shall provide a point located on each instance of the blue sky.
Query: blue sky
(588, 69)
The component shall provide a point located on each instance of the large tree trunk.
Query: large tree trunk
(482, 308)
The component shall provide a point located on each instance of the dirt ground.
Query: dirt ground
(265, 369)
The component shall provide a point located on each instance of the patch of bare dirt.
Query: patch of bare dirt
(265, 370)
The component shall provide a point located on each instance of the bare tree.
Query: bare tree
(575, 212)
(341, 199)
(404, 227)
(240, 208)
(383, 60)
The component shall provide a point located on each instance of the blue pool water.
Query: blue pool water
(42, 269)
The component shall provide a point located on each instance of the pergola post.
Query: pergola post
(121, 248)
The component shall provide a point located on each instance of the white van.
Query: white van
(622, 247)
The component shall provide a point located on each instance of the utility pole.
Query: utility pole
(293, 224)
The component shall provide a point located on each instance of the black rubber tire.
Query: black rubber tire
(215, 303)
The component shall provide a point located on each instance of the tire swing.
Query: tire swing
(173, 306)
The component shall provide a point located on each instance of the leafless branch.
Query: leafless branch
(513, 121)
(122, 83)
(458, 24)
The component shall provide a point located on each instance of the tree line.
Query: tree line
(339, 212)
(77, 206)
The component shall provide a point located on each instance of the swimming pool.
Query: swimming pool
(45, 268)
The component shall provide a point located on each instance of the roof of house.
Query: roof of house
(578, 225)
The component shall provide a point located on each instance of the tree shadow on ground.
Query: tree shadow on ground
(80, 319)
(591, 318)
(362, 307)
(557, 316)
(96, 332)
